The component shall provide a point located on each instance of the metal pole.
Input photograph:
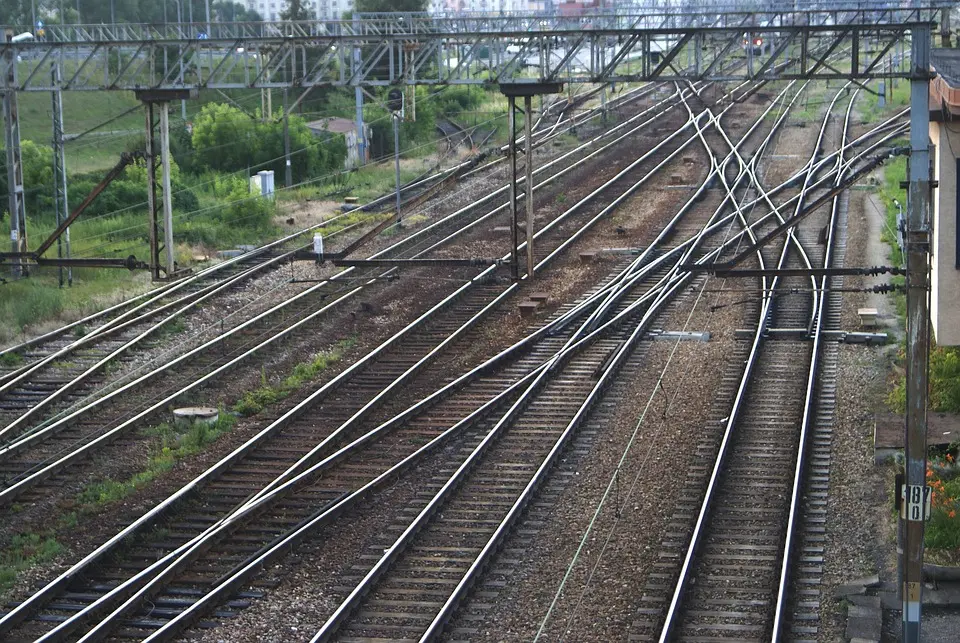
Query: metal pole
(183, 102)
(358, 98)
(918, 333)
(528, 168)
(209, 29)
(152, 194)
(396, 156)
(60, 201)
(113, 12)
(514, 223)
(167, 192)
(11, 122)
(288, 168)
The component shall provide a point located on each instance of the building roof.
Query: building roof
(945, 88)
(335, 125)
(946, 62)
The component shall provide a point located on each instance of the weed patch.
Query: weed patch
(172, 445)
(25, 551)
(255, 401)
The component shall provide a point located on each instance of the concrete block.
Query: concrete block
(528, 308)
(864, 628)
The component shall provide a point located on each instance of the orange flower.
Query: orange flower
(952, 513)
(929, 473)
(949, 458)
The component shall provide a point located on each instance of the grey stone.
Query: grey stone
(865, 601)
(858, 611)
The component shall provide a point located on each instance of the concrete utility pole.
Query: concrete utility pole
(528, 170)
(11, 130)
(396, 157)
(167, 192)
(514, 223)
(288, 168)
(358, 97)
(60, 201)
(915, 495)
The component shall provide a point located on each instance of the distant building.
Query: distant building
(945, 138)
(323, 9)
(348, 129)
(488, 6)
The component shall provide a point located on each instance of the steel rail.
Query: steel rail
(46, 471)
(21, 610)
(779, 614)
(542, 137)
(156, 292)
(197, 607)
(430, 229)
(663, 108)
(268, 493)
(699, 527)
(183, 305)
(393, 551)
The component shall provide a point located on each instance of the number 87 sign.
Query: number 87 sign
(915, 502)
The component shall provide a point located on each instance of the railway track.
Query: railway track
(368, 407)
(70, 362)
(62, 369)
(731, 553)
(34, 458)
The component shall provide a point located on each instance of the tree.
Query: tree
(232, 12)
(296, 10)
(386, 6)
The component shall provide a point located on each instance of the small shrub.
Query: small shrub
(11, 360)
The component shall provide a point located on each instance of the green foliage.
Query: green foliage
(227, 139)
(11, 360)
(25, 551)
(412, 133)
(252, 402)
(943, 529)
(944, 383)
(37, 163)
(296, 10)
(459, 98)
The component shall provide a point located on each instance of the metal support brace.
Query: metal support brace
(918, 332)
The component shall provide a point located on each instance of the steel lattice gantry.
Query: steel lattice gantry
(487, 50)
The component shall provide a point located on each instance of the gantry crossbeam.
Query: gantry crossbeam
(468, 50)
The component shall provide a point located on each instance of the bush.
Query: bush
(229, 140)
(458, 99)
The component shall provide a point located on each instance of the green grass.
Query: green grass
(894, 172)
(171, 444)
(253, 402)
(26, 302)
(82, 111)
(25, 551)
